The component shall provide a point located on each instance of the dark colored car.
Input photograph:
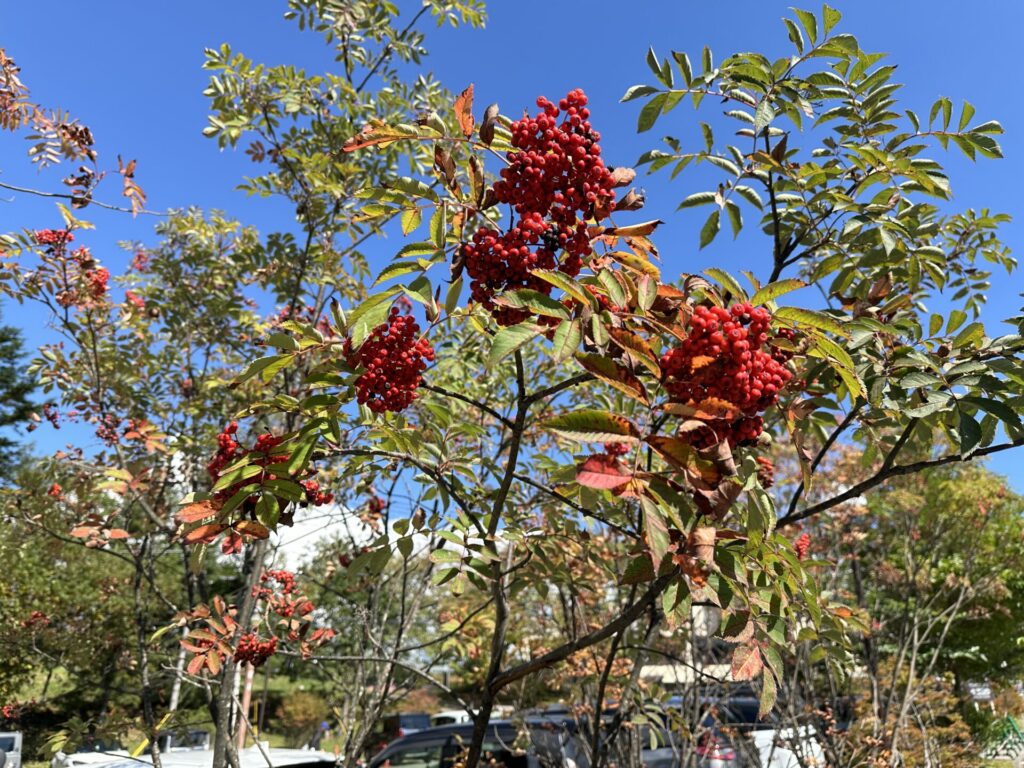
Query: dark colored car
(396, 726)
(544, 743)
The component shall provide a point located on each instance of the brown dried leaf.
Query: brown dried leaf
(487, 128)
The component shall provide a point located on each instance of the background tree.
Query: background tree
(16, 393)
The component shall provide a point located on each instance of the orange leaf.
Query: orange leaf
(250, 528)
(710, 409)
(117, 533)
(602, 472)
(464, 111)
(205, 533)
(193, 513)
(700, 361)
(213, 662)
(746, 662)
(83, 531)
(196, 664)
(633, 230)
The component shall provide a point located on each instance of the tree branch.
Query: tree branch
(894, 471)
(566, 650)
(66, 196)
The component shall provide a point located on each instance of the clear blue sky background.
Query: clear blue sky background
(132, 72)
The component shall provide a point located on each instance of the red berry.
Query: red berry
(553, 179)
(722, 359)
(393, 358)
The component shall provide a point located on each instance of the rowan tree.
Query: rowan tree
(634, 401)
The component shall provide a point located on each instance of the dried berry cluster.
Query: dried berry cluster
(394, 357)
(281, 597)
(554, 180)
(765, 471)
(802, 545)
(253, 650)
(726, 365)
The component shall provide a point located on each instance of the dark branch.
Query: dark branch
(894, 471)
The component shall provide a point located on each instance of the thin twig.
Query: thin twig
(97, 203)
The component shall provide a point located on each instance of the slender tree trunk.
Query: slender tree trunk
(179, 673)
(141, 636)
(224, 752)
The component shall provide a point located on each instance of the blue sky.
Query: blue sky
(132, 72)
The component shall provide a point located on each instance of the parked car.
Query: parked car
(91, 752)
(10, 749)
(184, 741)
(403, 724)
(440, 747)
(788, 747)
(251, 757)
(449, 717)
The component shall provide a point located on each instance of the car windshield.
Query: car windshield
(7, 743)
(414, 756)
(99, 745)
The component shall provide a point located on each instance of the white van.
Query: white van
(10, 749)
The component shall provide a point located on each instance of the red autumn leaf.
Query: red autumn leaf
(193, 513)
(250, 528)
(464, 111)
(602, 472)
(746, 662)
(205, 533)
(196, 664)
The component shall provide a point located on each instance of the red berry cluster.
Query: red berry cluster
(140, 261)
(253, 650)
(55, 491)
(97, 281)
(285, 581)
(36, 620)
(229, 450)
(107, 429)
(802, 545)
(314, 496)
(54, 237)
(765, 471)
(724, 359)
(616, 449)
(394, 357)
(554, 179)
(135, 300)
